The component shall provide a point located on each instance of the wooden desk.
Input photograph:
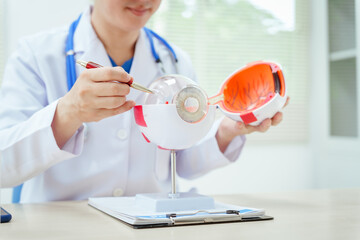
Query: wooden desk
(313, 214)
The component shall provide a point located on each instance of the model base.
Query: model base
(183, 201)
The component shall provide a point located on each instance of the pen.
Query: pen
(131, 83)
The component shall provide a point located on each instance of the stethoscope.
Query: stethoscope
(70, 58)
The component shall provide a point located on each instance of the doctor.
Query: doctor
(73, 144)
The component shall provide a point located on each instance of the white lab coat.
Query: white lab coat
(105, 158)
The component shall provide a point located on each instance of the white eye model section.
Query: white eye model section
(161, 124)
(177, 116)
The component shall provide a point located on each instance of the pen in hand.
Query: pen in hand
(131, 83)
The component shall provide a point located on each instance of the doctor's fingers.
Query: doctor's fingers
(287, 101)
(107, 74)
(104, 113)
(277, 118)
(103, 89)
(109, 102)
(262, 127)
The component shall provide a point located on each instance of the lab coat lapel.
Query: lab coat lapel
(96, 52)
(87, 45)
(143, 69)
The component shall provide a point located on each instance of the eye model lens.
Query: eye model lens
(191, 104)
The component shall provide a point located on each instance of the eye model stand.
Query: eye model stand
(174, 201)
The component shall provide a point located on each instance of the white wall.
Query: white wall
(28, 17)
(277, 167)
(336, 159)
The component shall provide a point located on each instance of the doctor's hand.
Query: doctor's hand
(97, 94)
(229, 128)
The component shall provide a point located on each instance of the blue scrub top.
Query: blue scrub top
(126, 66)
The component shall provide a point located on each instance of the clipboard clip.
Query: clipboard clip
(207, 218)
(233, 212)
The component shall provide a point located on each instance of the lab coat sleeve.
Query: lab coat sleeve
(206, 155)
(27, 142)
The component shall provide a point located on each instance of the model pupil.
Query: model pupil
(191, 104)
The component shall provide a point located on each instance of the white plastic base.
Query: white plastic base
(185, 201)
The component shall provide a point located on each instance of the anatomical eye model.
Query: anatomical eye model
(179, 113)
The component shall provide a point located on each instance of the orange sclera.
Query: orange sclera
(249, 89)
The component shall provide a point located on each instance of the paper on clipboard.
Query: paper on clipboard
(126, 210)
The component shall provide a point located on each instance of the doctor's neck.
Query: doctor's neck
(119, 44)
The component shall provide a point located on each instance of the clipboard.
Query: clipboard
(175, 222)
(126, 210)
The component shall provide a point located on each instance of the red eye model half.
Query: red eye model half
(249, 90)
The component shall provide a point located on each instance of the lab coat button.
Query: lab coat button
(122, 134)
(118, 192)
